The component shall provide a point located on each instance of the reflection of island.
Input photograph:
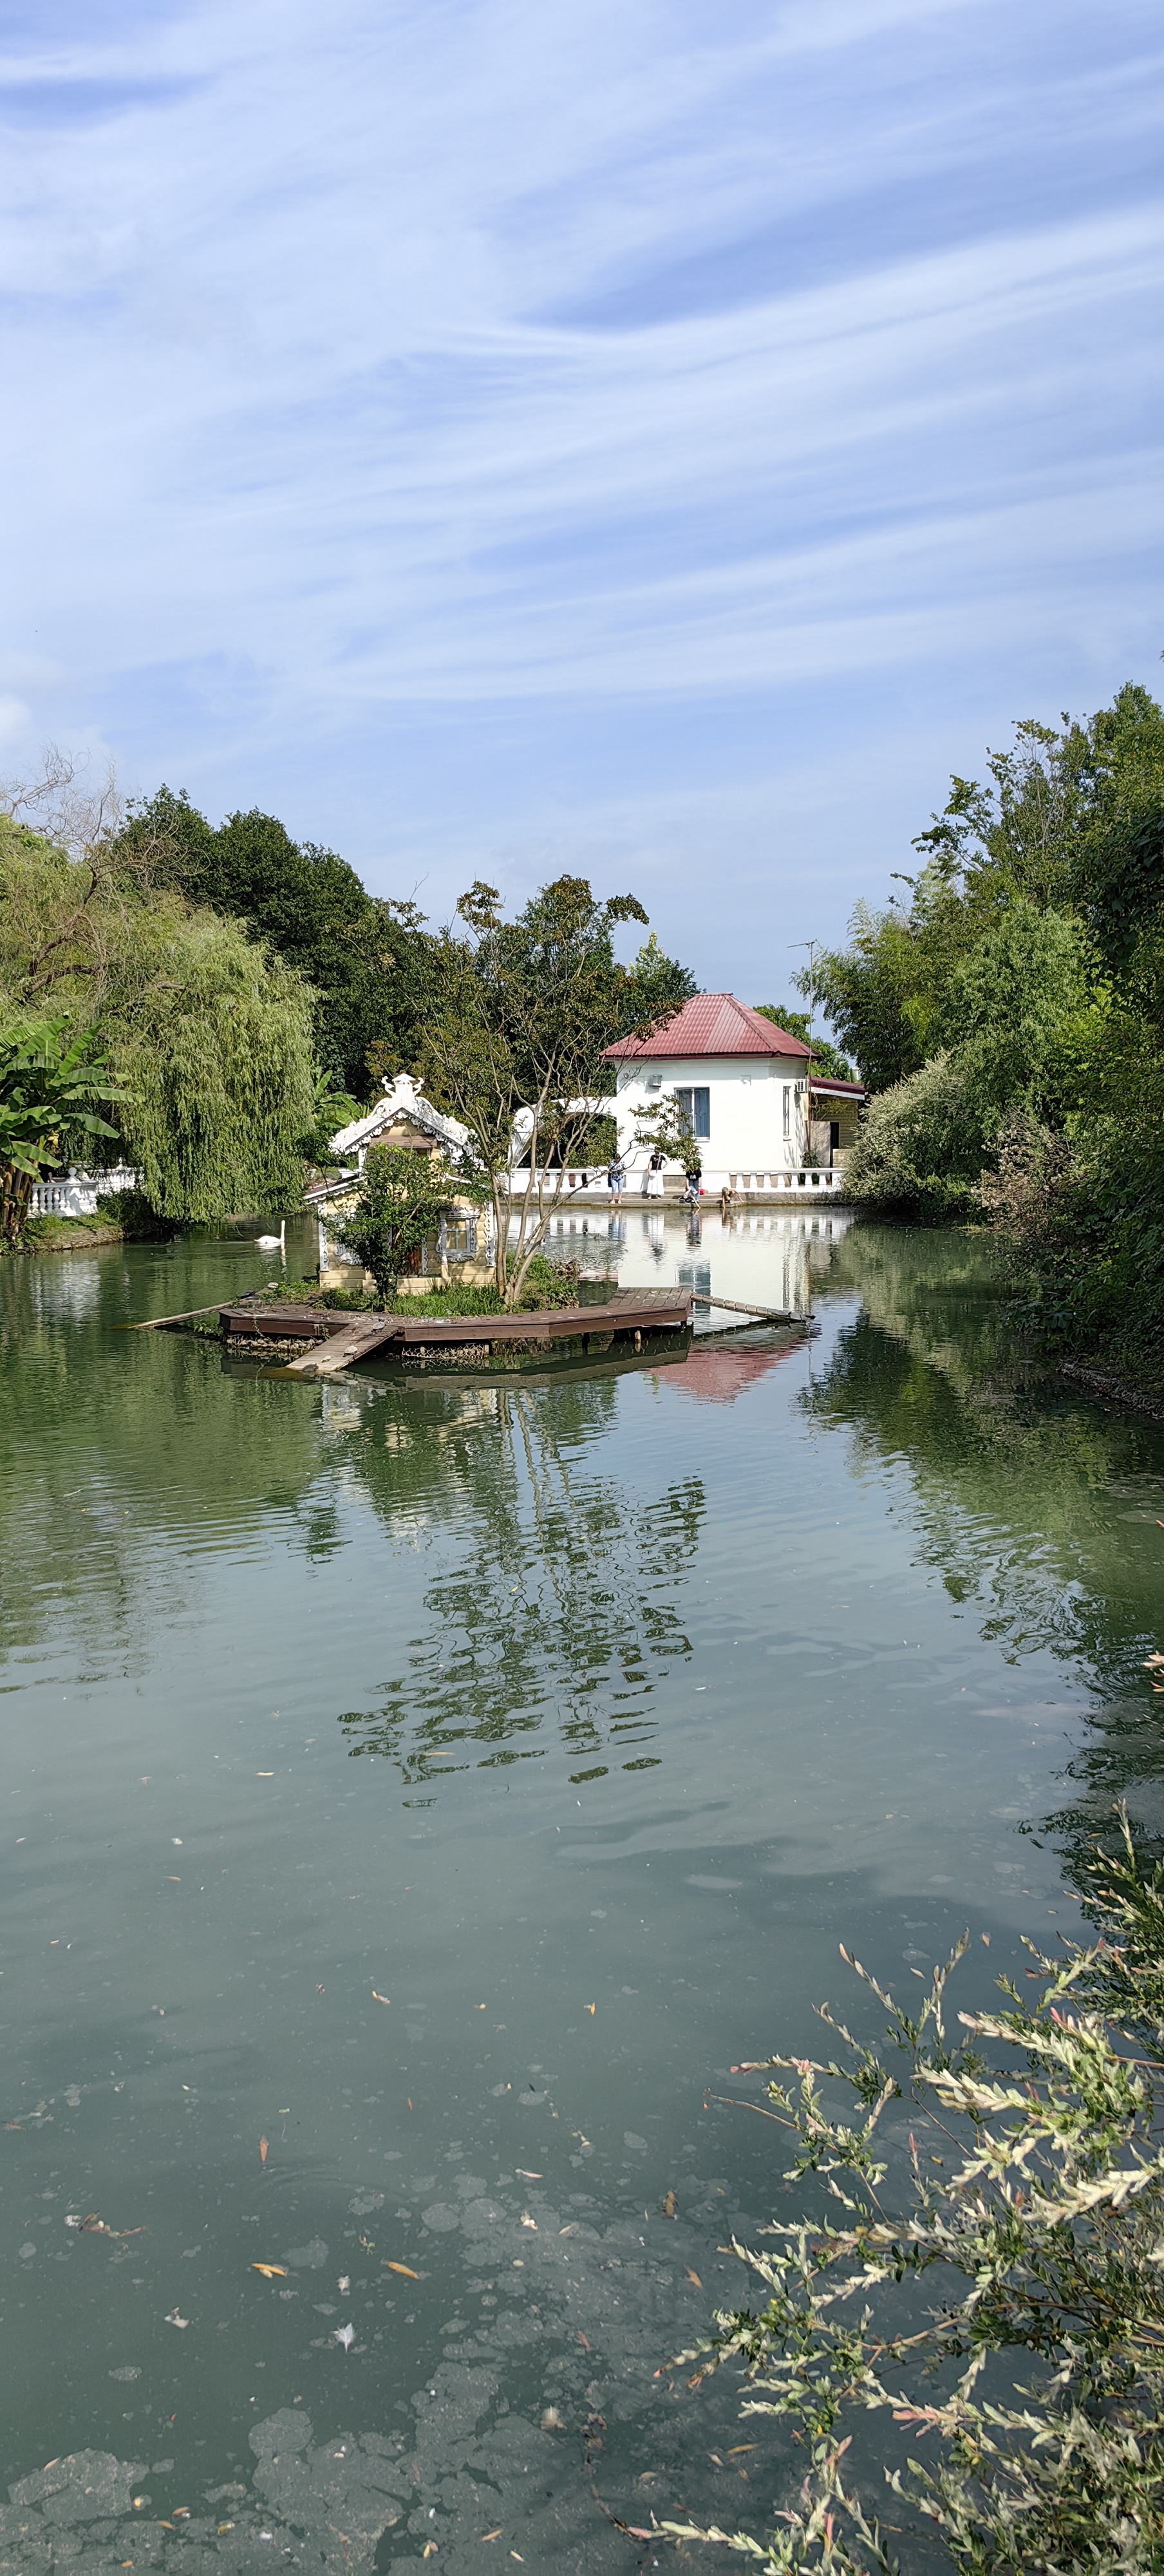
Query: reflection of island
(718, 1376)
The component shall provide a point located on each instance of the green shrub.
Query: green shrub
(350, 1301)
(401, 1199)
(921, 1147)
(131, 1210)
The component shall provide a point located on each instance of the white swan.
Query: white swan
(273, 1242)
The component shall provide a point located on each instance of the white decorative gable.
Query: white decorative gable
(402, 1099)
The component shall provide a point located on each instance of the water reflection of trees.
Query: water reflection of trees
(558, 1616)
(130, 1462)
(1040, 1509)
(112, 1441)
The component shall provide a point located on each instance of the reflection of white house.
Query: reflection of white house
(743, 1083)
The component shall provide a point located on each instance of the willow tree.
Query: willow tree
(206, 1034)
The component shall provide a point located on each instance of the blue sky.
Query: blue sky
(655, 439)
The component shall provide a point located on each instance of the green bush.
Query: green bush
(131, 1210)
(401, 1199)
(921, 1147)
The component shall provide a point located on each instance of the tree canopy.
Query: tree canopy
(208, 1037)
(365, 958)
(826, 1058)
(371, 960)
(1007, 1012)
(522, 1011)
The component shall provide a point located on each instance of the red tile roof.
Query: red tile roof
(713, 1024)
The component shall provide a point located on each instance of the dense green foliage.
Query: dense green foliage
(826, 1059)
(987, 2278)
(53, 1085)
(1008, 1016)
(547, 1284)
(365, 958)
(372, 964)
(207, 1036)
(656, 986)
(249, 991)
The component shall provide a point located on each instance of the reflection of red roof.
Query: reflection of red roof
(713, 1024)
(718, 1376)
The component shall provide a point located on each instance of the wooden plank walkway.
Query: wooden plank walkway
(341, 1340)
(361, 1335)
(763, 1314)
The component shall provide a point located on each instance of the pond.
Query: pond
(418, 1796)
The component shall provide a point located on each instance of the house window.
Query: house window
(457, 1240)
(696, 1108)
(788, 1109)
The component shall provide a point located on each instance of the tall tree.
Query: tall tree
(1012, 1006)
(367, 959)
(657, 984)
(514, 1046)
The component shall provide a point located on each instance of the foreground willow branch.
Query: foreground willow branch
(1037, 2380)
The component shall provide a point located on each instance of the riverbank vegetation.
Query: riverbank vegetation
(982, 2277)
(375, 967)
(53, 1088)
(203, 1038)
(244, 993)
(1007, 1012)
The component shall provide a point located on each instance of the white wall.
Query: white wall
(747, 1110)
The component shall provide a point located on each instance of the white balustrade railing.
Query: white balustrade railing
(744, 1184)
(76, 1193)
(554, 1183)
(775, 1184)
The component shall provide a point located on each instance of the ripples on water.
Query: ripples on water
(445, 1783)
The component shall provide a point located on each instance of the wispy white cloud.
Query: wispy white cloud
(483, 357)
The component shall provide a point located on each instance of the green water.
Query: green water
(578, 1717)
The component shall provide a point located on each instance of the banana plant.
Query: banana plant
(54, 1082)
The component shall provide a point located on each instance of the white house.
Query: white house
(744, 1084)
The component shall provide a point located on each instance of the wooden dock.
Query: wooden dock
(339, 1340)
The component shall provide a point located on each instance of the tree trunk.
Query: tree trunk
(15, 1193)
(500, 1239)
